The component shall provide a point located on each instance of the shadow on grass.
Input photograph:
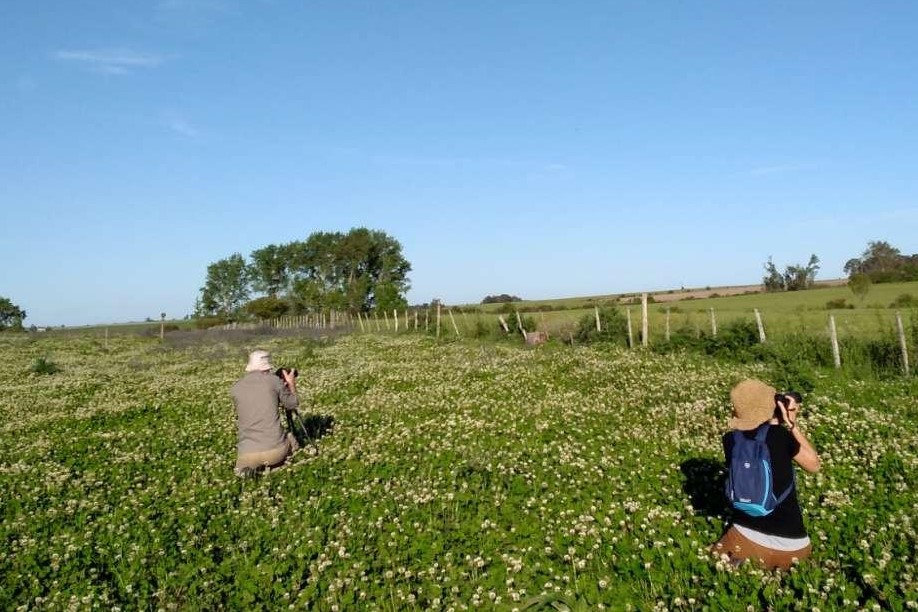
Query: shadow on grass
(704, 484)
(309, 428)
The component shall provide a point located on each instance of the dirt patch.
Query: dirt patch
(673, 296)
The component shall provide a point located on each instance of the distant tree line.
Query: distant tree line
(359, 271)
(879, 263)
(883, 263)
(503, 298)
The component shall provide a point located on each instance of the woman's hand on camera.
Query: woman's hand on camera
(789, 410)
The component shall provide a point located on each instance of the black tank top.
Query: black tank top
(786, 520)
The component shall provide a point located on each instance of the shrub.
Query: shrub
(737, 340)
(613, 323)
(904, 300)
(838, 304)
(44, 366)
(267, 307)
(208, 322)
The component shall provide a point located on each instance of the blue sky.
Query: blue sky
(543, 149)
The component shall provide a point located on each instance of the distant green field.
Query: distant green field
(796, 311)
(781, 312)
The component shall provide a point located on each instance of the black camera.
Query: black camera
(280, 372)
(784, 398)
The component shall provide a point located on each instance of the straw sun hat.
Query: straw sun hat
(259, 361)
(753, 404)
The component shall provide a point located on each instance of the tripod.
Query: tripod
(299, 430)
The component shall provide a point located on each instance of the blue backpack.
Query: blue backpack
(750, 483)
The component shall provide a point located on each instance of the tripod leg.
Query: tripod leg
(299, 421)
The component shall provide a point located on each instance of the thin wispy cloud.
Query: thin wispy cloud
(110, 61)
(778, 169)
(179, 125)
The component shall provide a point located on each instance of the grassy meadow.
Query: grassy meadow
(782, 312)
(457, 475)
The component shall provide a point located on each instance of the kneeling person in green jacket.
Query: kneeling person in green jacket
(256, 396)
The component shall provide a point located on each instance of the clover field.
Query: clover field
(456, 476)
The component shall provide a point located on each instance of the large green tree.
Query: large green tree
(11, 315)
(357, 271)
(360, 270)
(226, 288)
(883, 263)
(269, 269)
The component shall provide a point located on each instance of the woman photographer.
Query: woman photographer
(778, 538)
(256, 396)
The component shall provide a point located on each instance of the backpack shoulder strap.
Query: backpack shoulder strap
(787, 491)
(762, 432)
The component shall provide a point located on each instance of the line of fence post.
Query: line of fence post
(598, 324)
(758, 323)
(630, 338)
(833, 337)
(713, 324)
(902, 342)
(455, 327)
(645, 326)
(667, 323)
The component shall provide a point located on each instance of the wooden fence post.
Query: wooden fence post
(598, 325)
(503, 323)
(406, 320)
(833, 336)
(519, 324)
(713, 323)
(415, 320)
(645, 325)
(902, 342)
(395, 318)
(630, 336)
(438, 319)
(758, 322)
(162, 325)
(385, 315)
(667, 323)
(360, 320)
(455, 327)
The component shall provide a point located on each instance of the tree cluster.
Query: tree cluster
(794, 278)
(11, 315)
(883, 263)
(503, 298)
(355, 272)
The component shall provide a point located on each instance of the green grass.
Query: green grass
(782, 313)
(457, 474)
